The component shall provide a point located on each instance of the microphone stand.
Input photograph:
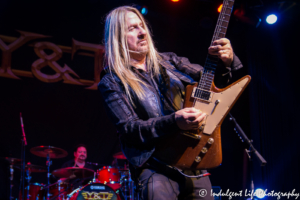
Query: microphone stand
(24, 143)
(251, 150)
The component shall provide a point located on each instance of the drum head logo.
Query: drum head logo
(95, 195)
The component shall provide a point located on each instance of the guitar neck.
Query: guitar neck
(220, 32)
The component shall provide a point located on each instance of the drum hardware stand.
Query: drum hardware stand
(48, 164)
(24, 144)
(28, 183)
(249, 152)
(11, 181)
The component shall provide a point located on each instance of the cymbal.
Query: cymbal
(33, 168)
(43, 151)
(119, 155)
(73, 172)
(12, 161)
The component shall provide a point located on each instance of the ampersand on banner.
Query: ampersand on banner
(62, 73)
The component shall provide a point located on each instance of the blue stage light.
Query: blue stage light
(271, 19)
(144, 11)
(260, 193)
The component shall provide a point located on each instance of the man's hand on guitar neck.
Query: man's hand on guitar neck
(189, 118)
(222, 48)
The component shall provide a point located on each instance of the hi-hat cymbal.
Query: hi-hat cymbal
(73, 172)
(44, 151)
(119, 155)
(32, 168)
(12, 161)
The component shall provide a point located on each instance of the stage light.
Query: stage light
(271, 19)
(259, 193)
(175, 0)
(144, 11)
(220, 8)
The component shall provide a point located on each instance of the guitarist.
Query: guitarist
(143, 92)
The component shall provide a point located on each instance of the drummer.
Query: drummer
(80, 155)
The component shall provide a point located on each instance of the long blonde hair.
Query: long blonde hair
(117, 54)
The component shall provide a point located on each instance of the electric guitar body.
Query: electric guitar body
(202, 149)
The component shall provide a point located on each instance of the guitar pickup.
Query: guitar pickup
(192, 135)
(204, 95)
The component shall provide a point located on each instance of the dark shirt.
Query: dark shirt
(168, 104)
(71, 163)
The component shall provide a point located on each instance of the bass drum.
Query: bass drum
(94, 191)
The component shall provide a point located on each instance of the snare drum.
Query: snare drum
(94, 191)
(109, 176)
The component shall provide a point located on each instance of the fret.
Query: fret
(226, 14)
(205, 88)
(222, 26)
(210, 72)
(210, 75)
(227, 10)
(204, 79)
(204, 85)
(209, 79)
(222, 32)
(221, 35)
(224, 21)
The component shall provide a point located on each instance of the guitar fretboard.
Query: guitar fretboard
(211, 60)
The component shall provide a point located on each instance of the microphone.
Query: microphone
(23, 132)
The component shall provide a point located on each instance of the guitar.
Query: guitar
(201, 149)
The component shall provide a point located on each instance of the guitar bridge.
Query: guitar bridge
(204, 95)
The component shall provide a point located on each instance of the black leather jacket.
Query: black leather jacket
(141, 125)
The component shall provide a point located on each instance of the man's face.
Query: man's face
(136, 34)
(80, 153)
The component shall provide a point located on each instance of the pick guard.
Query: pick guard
(217, 112)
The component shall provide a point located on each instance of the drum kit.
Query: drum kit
(109, 183)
